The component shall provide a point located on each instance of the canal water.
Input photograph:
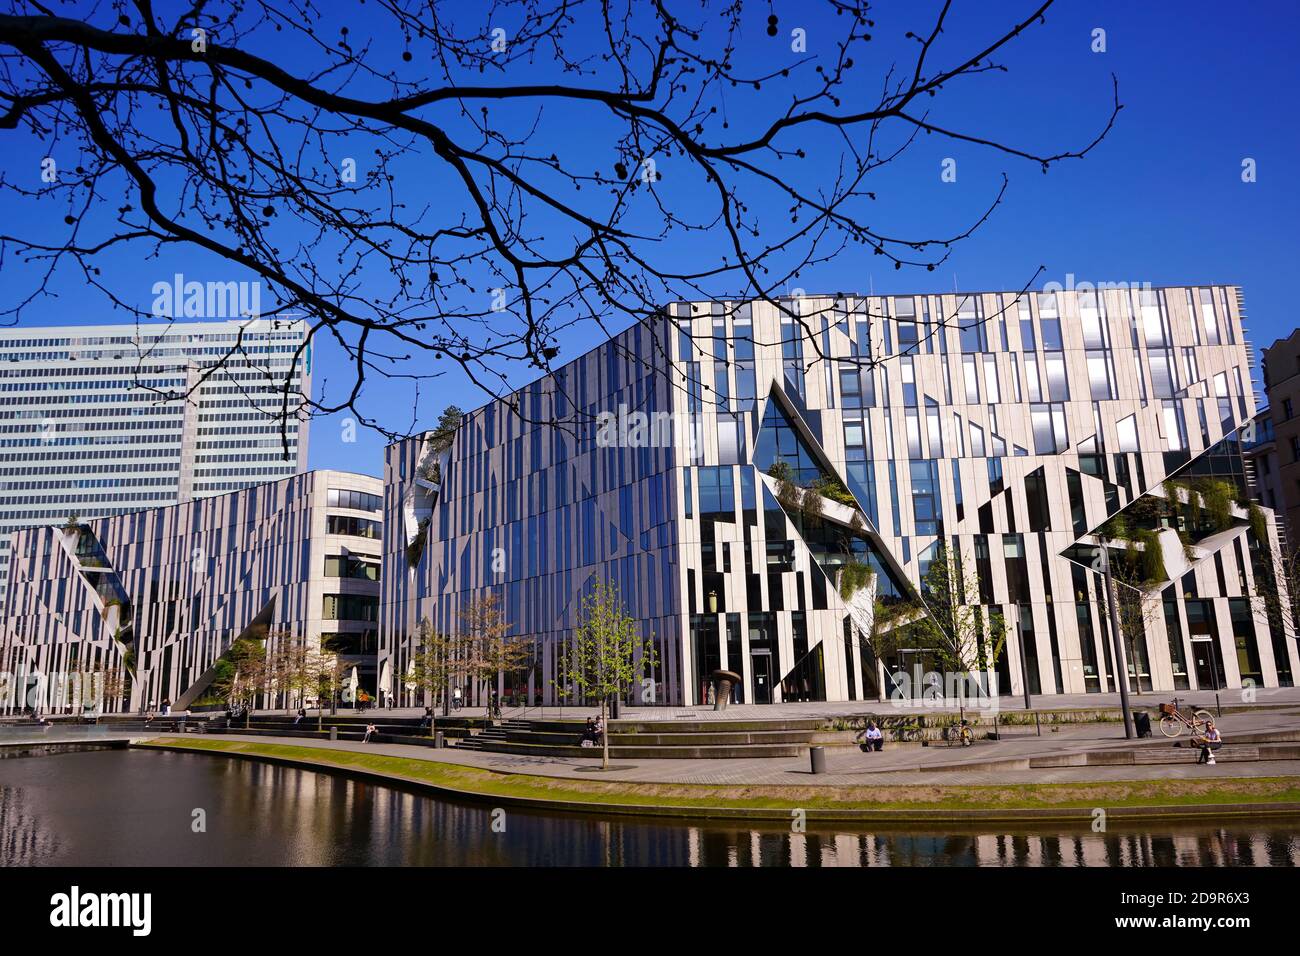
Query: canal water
(135, 808)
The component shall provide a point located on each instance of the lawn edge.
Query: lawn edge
(722, 811)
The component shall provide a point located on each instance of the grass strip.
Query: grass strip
(1258, 791)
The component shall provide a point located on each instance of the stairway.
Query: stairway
(638, 739)
(493, 734)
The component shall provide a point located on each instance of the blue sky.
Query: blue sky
(1160, 201)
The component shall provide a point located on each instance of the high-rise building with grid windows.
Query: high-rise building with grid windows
(87, 427)
(757, 478)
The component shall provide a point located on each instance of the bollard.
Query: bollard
(818, 757)
(334, 733)
(439, 740)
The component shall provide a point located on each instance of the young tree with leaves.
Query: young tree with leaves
(291, 667)
(330, 674)
(606, 654)
(432, 665)
(960, 633)
(247, 676)
(483, 643)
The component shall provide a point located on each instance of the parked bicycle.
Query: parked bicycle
(960, 734)
(1174, 720)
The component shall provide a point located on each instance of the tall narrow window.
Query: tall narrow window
(991, 379)
(1100, 375)
(972, 379)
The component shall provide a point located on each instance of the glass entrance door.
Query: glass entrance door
(760, 665)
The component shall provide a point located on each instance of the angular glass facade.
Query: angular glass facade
(781, 445)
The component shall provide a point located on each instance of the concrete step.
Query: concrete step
(635, 753)
(619, 739)
(412, 740)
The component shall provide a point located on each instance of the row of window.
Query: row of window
(358, 500)
(353, 526)
(352, 566)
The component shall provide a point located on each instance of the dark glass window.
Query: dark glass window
(355, 527)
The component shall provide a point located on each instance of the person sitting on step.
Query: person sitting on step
(875, 740)
(1210, 740)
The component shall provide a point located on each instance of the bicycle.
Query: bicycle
(1173, 720)
(960, 734)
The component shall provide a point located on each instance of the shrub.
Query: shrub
(1258, 523)
(1151, 564)
(834, 489)
(415, 550)
(1218, 496)
(854, 575)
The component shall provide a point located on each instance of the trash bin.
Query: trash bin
(1142, 723)
(439, 740)
(818, 757)
(334, 733)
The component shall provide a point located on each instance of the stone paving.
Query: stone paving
(851, 767)
(1259, 697)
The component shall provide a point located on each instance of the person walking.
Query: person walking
(455, 698)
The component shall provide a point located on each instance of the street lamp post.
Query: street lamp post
(1117, 641)
(1024, 657)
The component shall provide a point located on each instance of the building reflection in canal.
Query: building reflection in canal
(129, 808)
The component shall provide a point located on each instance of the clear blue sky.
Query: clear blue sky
(1204, 85)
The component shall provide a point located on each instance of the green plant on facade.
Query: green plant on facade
(1218, 497)
(854, 575)
(1258, 522)
(832, 488)
(431, 472)
(415, 550)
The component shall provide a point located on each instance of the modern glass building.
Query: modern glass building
(156, 597)
(1005, 427)
(109, 419)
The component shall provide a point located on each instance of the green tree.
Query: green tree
(960, 633)
(606, 655)
(448, 422)
(483, 642)
(330, 675)
(291, 667)
(247, 675)
(433, 665)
